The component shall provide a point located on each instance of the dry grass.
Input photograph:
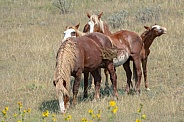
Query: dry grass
(31, 32)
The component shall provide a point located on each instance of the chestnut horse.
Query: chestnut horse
(72, 31)
(80, 55)
(148, 37)
(123, 38)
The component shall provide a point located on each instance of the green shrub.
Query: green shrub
(63, 5)
(148, 14)
(118, 19)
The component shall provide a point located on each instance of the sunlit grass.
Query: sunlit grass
(31, 32)
(24, 115)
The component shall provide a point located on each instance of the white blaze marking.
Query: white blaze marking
(62, 106)
(91, 25)
(156, 26)
(68, 32)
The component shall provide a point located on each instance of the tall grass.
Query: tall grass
(31, 32)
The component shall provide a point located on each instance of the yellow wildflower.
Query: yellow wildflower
(90, 111)
(46, 113)
(84, 120)
(68, 117)
(24, 111)
(6, 108)
(114, 110)
(20, 104)
(137, 120)
(28, 110)
(18, 121)
(99, 116)
(143, 116)
(112, 103)
(4, 112)
(15, 115)
(54, 119)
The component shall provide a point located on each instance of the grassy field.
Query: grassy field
(31, 33)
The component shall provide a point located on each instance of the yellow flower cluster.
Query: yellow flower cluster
(90, 111)
(112, 103)
(69, 117)
(137, 120)
(45, 114)
(84, 120)
(20, 104)
(5, 111)
(113, 107)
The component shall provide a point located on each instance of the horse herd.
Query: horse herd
(95, 48)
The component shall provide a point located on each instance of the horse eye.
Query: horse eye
(72, 33)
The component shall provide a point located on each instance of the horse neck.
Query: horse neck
(79, 33)
(148, 39)
(105, 29)
(66, 58)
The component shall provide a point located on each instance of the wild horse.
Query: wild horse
(129, 40)
(97, 25)
(148, 37)
(83, 55)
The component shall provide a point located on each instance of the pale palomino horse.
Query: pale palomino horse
(123, 38)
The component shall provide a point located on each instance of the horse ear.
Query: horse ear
(88, 15)
(66, 27)
(99, 16)
(146, 27)
(77, 26)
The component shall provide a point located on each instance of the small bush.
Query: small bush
(63, 5)
(118, 19)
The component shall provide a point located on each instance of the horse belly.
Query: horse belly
(121, 59)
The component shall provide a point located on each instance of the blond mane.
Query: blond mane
(97, 21)
(65, 61)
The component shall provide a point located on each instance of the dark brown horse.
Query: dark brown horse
(148, 37)
(123, 38)
(83, 55)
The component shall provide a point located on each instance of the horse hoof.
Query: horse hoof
(148, 89)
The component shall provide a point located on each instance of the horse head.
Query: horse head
(71, 31)
(63, 94)
(95, 23)
(156, 30)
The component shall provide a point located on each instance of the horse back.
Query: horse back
(127, 39)
(90, 54)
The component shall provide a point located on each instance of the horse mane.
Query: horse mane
(144, 35)
(98, 21)
(65, 62)
(78, 32)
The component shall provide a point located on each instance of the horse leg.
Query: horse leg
(113, 77)
(92, 82)
(76, 86)
(136, 59)
(128, 71)
(97, 80)
(106, 78)
(86, 75)
(144, 67)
